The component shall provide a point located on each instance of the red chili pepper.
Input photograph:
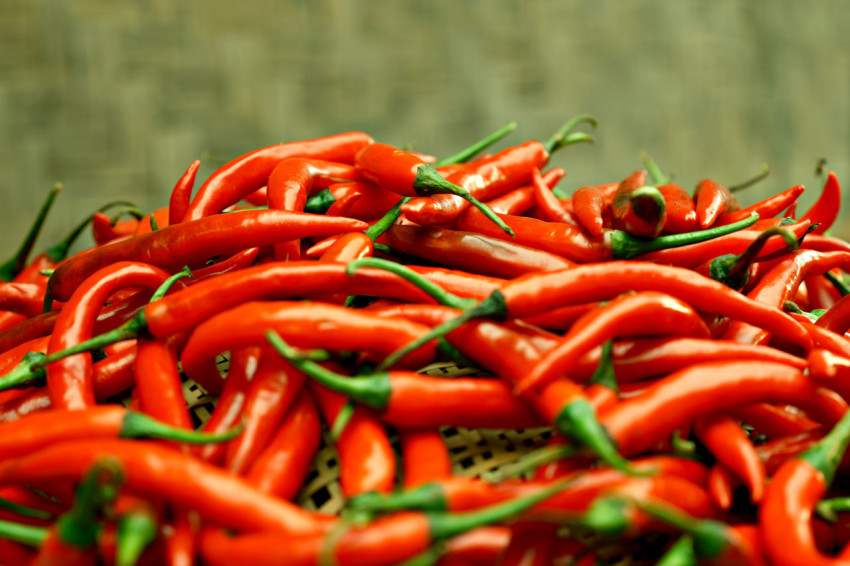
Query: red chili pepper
(705, 388)
(681, 209)
(372, 203)
(837, 318)
(825, 210)
(791, 496)
(822, 294)
(270, 395)
(181, 194)
(367, 462)
(424, 456)
(623, 316)
(549, 205)
(155, 471)
(774, 421)
(408, 175)
(22, 298)
(247, 173)
(106, 229)
(532, 544)
(638, 209)
(281, 468)
(592, 207)
(767, 208)
(472, 252)
(305, 325)
(153, 221)
(728, 442)
(713, 200)
(191, 242)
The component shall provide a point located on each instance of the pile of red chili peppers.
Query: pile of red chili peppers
(685, 352)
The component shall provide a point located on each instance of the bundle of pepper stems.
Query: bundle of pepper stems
(685, 354)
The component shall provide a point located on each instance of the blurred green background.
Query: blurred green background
(115, 98)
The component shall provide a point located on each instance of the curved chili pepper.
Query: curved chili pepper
(14, 265)
(270, 395)
(649, 357)
(780, 284)
(21, 298)
(728, 442)
(713, 200)
(304, 325)
(774, 421)
(623, 316)
(705, 388)
(825, 210)
(381, 542)
(472, 252)
(734, 270)
(282, 466)
(822, 292)
(592, 207)
(162, 472)
(412, 400)
(181, 194)
(492, 176)
(367, 462)
(372, 203)
(767, 208)
(247, 173)
(681, 213)
(424, 456)
(548, 205)
(190, 242)
(408, 175)
(638, 209)
(106, 230)
(793, 493)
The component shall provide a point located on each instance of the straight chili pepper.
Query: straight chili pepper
(281, 468)
(767, 208)
(791, 496)
(408, 175)
(424, 456)
(21, 298)
(247, 173)
(191, 242)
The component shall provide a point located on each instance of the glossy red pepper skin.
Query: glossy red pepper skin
(638, 217)
(281, 468)
(424, 456)
(767, 208)
(728, 442)
(69, 379)
(188, 243)
(623, 316)
(367, 461)
(181, 194)
(536, 293)
(105, 231)
(706, 388)
(303, 325)
(373, 200)
(592, 207)
(825, 210)
(713, 200)
(549, 206)
(681, 209)
(160, 472)
(159, 384)
(473, 252)
(22, 298)
(247, 173)
(485, 178)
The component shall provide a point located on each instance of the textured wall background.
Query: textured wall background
(115, 98)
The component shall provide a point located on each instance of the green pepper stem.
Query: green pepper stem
(139, 425)
(168, 283)
(578, 421)
(561, 138)
(133, 328)
(23, 510)
(760, 176)
(439, 294)
(648, 204)
(658, 178)
(386, 221)
(826, 454)
(711, 537)
(374, 390)
(604, 373)
(429, 182)
(533, 460)
(444, 525)
(320, 202)
(136, 531)
(626, 246)
(18, 262)
(341, 421)
(59, 251)
(79, 526)
(494, 305)
(680, 553)
(829, 508)
(24, 374)
(23, 534)
(838, 283)
(734, 270)
(467, 153)
(427, 497)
